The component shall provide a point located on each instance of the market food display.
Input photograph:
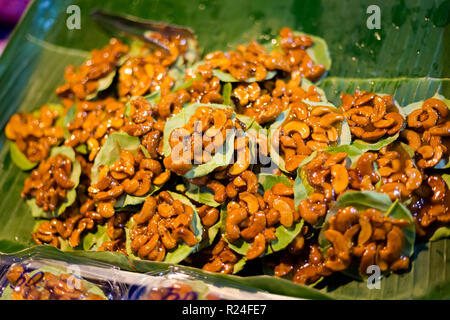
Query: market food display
(161, 155)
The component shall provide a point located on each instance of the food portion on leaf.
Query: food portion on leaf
(51, 188)
(34, 134)
(147, 69)
(366, 238)
(430, 205)
(166, 229)
(265, 102)
(131, 175)
(329, 173)
(371, 116)
(427, 132)
(256, 224)
(301, 261)
(218, 258)
(303, 129)
(254, 63)
(95, 74)
(200, 139)
(91, 122)
(47, 284)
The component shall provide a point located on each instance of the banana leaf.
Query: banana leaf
(407, 57)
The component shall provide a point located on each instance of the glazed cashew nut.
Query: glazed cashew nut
(256, 226)
(340, 178)
(257, 248)
(286, 213)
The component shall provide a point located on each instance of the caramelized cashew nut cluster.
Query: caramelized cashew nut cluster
(264, 104)
(430, 205)
(148, 71)
(83, 80)
(254, 218)
(128, 175)
(48, 184)
(222, 259)
(46, 286)
(371, 117)
(161, 225)
(254, 60)
(329, 176)
(34, 136)
(428, 129)
(204, 133)
(94, 121)
(305, 131)
(368, 238)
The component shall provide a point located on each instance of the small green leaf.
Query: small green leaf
(19, 158)
(82, 148)
(201, 194)
(267, 181)
(103, 84)
(238, 266)
(365, 146)
(345, 137)
(129, 200)
(440, 233)
(227, 77)
(226, 94)
(93, 241)
(110, 152)
(302, 188)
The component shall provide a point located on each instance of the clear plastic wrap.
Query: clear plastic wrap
(38, 278)
(178, 284)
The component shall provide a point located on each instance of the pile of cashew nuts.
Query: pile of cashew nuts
(145, 74)
(35, 136)
(93, 122)
(253, 217)
(253, 61)
(48, 184)
(239, 210)
(370, 236)
(160, 226)
(370, 116)
(264, 104)
(84, 80)
(204, 133)
(129, 175)
(46, 286)
(426, 132)
(306, 130)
